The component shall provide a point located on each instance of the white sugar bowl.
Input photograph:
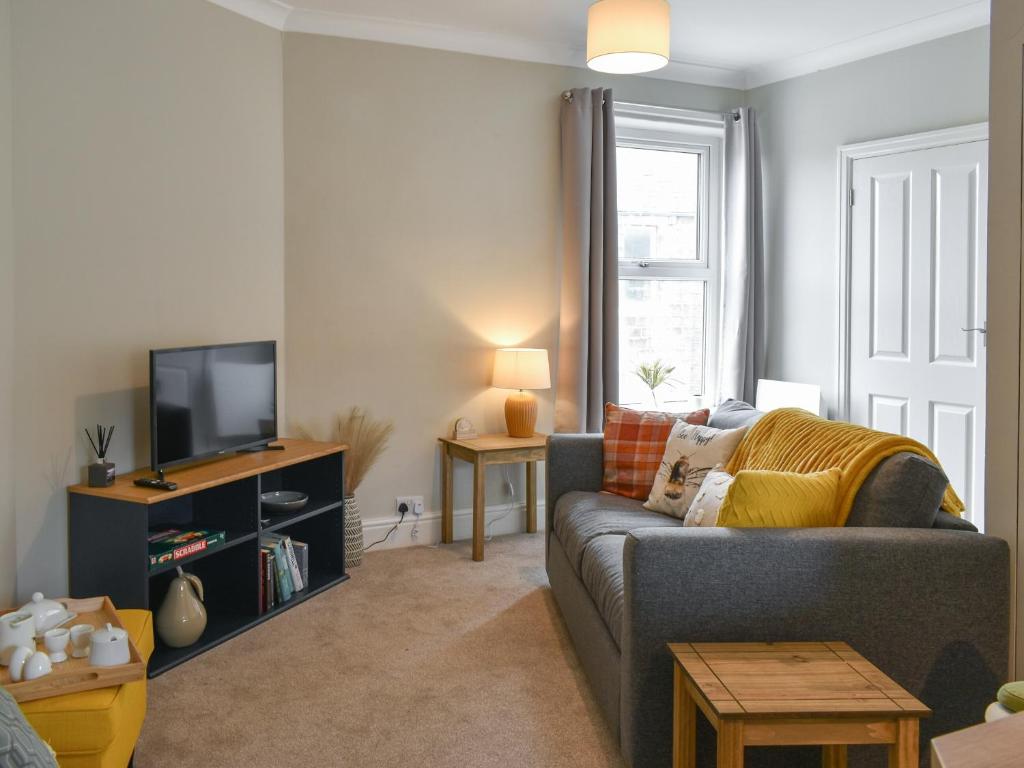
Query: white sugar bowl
(109, 647)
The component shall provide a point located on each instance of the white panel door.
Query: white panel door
(917, 280)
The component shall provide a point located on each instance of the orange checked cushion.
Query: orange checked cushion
(634, 443)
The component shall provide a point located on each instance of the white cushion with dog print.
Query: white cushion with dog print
(703, 511)
(690, 453)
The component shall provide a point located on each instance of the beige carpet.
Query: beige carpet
(424, 658)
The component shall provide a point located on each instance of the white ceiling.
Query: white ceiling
(737, 43)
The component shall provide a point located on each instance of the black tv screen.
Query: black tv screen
(204, 401)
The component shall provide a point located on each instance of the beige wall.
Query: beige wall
(148, 178)
(7, 544)
(803, 122)
(422, 231)
(1004, 464)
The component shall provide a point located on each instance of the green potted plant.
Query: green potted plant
(654, 375)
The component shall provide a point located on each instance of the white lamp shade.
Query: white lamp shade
(628, 36)
(521, 369)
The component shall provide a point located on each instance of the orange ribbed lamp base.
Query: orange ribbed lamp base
(521, 414)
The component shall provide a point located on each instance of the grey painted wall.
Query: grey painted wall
(803, 121)
(148, 188)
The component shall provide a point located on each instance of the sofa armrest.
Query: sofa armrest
(930, 608)
(574, 463)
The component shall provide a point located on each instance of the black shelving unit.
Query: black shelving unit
(108, 532)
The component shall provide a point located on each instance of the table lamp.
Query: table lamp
(521, 369)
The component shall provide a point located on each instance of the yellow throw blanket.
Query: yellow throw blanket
(793, 440)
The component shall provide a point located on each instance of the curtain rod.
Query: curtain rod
(735, 113)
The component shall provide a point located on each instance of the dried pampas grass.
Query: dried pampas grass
(365, 437)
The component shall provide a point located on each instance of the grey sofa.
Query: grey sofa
(930, 607)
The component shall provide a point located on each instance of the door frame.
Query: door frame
(847, 155)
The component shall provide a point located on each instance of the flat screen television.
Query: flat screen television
(205, 401)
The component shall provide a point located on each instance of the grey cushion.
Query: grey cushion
(602, 576)
(904, 491)
(20, 745)
(581, 516)
(949, 522)
(733, 414)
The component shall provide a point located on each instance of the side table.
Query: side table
(788, 694)
(481, 452)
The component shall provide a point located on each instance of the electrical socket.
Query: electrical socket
(414, 504)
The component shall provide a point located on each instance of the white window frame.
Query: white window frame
(666, 128)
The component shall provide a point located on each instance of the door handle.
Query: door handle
(983, 330)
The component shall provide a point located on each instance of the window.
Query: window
(669, 182)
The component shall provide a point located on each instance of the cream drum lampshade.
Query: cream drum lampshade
(628, 36)
(521, 369)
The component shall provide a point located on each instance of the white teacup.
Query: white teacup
(81, 639)
(56, 642)
(17, 661)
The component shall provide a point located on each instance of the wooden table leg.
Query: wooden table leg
(833, 756)
(478, 508)
(684, 729)
(904, 753)
(447, 497)
(730, 744)
(531, 497)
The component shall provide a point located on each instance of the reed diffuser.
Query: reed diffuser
(101, 471)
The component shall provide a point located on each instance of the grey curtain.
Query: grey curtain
(742, 342)
(588, 348)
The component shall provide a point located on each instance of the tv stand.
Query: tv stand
(160, 481)
(108, 530)
(261, 448)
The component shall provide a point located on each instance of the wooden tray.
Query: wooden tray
(76, 675)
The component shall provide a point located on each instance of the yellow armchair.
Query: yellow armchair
(98, 728)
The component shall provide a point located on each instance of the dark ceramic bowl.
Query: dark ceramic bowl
(284, 501)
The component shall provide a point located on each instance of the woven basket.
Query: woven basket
(353, 533)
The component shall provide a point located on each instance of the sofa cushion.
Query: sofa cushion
(581, 516)
(734, 413)
(634, 442)
(20, 745)
(904, 491)
(760, 498)
(949, 522)
(601, 573)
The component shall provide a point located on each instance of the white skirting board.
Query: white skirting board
(430, 525)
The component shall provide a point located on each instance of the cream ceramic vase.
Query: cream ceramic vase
(182, 617)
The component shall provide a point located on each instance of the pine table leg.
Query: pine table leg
(684, 732)
(478, 508)
(730, 744)
(904, 753)
(531, 497)
(447, 497)
(833, 756)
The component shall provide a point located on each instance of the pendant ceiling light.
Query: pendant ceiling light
(626, 37)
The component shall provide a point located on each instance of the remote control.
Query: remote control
(152, 482)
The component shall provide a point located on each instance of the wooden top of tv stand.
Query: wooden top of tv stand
(196, 477)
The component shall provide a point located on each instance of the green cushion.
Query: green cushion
(1011, 696)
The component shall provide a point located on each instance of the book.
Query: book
(293, 566)
(302, 558)
(172, 544)
(282, 573)
(289, 549)
(269, 578)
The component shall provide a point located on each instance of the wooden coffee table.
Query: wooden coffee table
(776, 694)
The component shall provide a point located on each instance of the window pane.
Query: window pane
(658, 202)
(661, 320)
